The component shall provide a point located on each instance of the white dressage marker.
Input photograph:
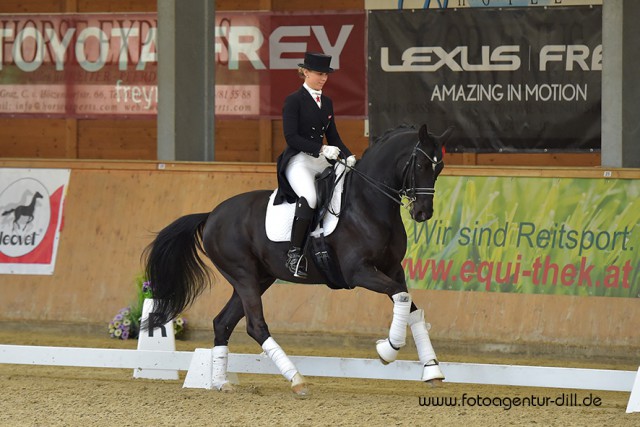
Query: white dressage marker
(156, 338)
(198, 364)
(634, 399)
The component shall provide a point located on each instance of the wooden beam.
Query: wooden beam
(71, 140)
(71, 6)
(469, 159)
(265, 143)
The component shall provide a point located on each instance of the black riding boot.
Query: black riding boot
(296, 262)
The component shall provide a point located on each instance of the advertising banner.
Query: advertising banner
(78, 65)
(507, 79)
(558, 236)
(106, 65)
(257, 55)
(456, 4)
(31, 208)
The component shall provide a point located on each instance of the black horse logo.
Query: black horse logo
(23, 210)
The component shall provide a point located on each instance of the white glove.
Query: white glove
(330, 152)
(351, 161)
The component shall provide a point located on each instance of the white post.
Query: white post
(157, 337)
(634, 399)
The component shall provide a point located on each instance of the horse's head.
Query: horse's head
(422, 170)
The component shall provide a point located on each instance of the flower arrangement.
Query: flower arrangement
(126, 324)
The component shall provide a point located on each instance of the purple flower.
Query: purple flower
(146, 286)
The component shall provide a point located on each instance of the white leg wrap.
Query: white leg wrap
(219, 366)
(388, 349)
(426, 353)
(398, 329)
(279, 357)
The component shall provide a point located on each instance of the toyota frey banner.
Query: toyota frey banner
(105, 64)
(507, 80)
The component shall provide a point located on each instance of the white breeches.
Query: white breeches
(301, 173)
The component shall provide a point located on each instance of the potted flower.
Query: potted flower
(126, 323)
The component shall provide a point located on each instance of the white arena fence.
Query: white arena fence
(198, 366)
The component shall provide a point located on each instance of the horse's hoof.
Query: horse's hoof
(435, 383)
(299, 387)
(431, 372)
(384, 362)
(301, 391)
(226, 388)
(386, 352)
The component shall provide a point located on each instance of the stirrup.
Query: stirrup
(295, 263)
(301, 268)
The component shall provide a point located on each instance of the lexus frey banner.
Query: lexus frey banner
(507, 80)
(102, 65)
(31, 203)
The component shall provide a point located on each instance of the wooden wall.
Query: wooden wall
(112, 208)
(259, 140)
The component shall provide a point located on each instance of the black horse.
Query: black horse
(400, 167)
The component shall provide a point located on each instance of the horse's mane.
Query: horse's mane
(388, 134)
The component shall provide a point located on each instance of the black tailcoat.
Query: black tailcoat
(305, 127)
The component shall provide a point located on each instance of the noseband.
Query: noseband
(409, 189)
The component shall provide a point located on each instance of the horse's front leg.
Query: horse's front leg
(405, 313)
(388, 348)
(431, 372)
(395, 287)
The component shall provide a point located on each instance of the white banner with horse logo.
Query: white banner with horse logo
(31, 203)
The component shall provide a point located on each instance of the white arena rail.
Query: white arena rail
(198, 365)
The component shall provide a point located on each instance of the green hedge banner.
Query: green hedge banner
(557, 236)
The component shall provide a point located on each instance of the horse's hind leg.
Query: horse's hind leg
(223, 326)
(258, 330)
(226, 321)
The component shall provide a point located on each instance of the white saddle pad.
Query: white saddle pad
(279, 218)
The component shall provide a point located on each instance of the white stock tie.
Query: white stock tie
(316, 96)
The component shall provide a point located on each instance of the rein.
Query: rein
(408, 174)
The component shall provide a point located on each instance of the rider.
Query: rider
(307, 118)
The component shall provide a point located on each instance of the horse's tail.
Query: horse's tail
(177, 273)
(7, 212)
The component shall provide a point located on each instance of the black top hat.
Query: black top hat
(317, 62)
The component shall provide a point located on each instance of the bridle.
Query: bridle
(409, 189)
